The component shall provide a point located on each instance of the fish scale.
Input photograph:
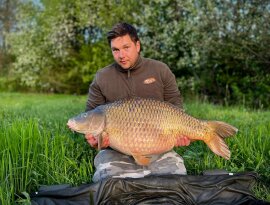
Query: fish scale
(145, 127)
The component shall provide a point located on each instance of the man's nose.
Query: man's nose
(121, 54)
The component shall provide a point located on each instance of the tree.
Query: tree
(218, 49)
(232, 41)
(65, 42)
(7, 25)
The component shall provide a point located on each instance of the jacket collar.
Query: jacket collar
(136, 66)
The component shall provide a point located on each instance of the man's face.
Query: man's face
(125, 51)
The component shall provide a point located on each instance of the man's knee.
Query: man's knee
(168, 163)
(110, 163)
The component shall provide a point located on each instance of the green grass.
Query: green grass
(38, 149)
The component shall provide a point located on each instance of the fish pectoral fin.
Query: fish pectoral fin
(100, 139)
(103, 140)
(141, 159)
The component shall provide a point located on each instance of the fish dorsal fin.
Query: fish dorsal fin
(141, 159)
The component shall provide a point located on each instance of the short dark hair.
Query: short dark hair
(122, 29)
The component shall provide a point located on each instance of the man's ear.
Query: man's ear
(138, 46)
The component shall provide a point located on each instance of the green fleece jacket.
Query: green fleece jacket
(148, 78)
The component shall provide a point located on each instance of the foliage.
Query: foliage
(233, 52)
(218, 49)
(38, 149)
(7, 25)
(65, 43)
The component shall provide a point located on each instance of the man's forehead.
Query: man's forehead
(121, 41)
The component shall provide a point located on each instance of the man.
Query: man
(132, 76)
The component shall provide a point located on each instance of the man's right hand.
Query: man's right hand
(91, 140)
(182, 141)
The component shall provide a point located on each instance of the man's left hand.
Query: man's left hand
(182, 141)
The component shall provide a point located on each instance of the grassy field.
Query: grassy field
(37, 148)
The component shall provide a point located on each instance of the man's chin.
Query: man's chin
(124, 66)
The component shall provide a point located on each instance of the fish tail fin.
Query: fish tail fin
(219, 131)
(222, 129)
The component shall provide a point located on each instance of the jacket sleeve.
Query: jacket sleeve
(95, 96)
(171, 91)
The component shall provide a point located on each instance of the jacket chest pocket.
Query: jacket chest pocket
(150, 90)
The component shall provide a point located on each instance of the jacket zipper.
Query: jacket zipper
(128, 73)
(131, 94)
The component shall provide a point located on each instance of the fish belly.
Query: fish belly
(141, 143)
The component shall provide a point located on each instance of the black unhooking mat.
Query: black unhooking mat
(170, 189)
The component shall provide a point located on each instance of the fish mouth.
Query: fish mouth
(74, 127)
(71, 124)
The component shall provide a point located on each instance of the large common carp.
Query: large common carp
(145, 127)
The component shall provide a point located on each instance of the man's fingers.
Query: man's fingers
(106, 141)
(91, 140)
(183, 141)
(186, 141)
(88, 136)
